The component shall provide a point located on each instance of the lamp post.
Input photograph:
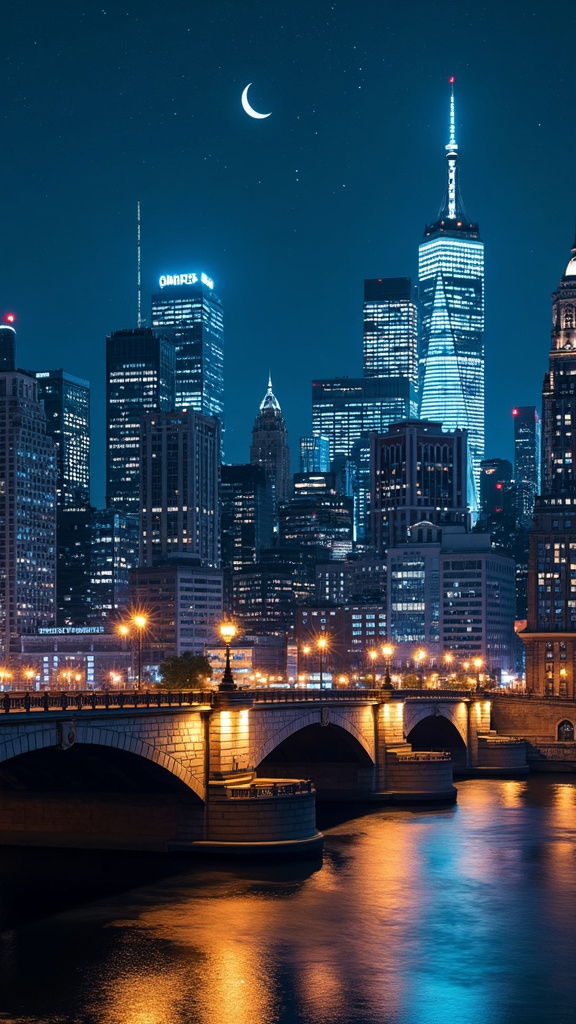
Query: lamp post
(29, 674)
(140, 621)
(419, 658)
(227, 632)
(306, 652)
(373, 655)
(322, 644)
(387, 651)
(478, 665)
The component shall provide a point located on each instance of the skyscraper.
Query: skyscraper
(246, 521)
(451, 313)
(344, 409)
(179, 487)
(550, 635)
(419, 472)
(139, 379)
(7, 348)
(527, 443)
(390, 330)
(27, 513)
(190, 313)
(315, 454)
(270, 449)
(113, 554)
(67, 407)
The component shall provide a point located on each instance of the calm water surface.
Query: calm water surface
(465, 915)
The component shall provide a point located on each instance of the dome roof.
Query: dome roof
(270, 401)
(571, 268)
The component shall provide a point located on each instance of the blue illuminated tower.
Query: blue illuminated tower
(451, 295)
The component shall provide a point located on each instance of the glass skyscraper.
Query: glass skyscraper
(451, 313)
(67, 407)
(390, 329)
(139, 379)
(527, 438)
(189, 312)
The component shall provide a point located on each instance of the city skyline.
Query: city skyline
(289, 215)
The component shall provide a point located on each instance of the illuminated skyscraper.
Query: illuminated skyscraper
(190, 313)
(139, 379)
(67, 407)
(550, 635)
(390, 330)
(451, 296)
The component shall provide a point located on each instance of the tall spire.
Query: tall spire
(452, 158)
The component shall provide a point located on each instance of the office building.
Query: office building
(451, 316)
(179, 487)
(67, 407)
(315, 454)
(550, 635)
(188, 310)
(450, 591)
(184, 603)
(390, 329)
(113, 555)
(27, 513)
(527, 456)
(317, 516)
(139, 378)
(7, 347)
(270, 450)
(245, 520)
(73, 563)
(497, 492)
(419, 471)
(346, 409)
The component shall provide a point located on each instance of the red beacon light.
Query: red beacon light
(514, 412)
(451, 80)
(9, 318)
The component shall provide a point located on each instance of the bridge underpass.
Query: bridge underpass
(329, 755)
(437, 733)
(97, 797)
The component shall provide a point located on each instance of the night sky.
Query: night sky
(106, 103)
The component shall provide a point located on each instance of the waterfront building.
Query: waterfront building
(315, 454)
(113, 555)
(390, 329)
(527, 458)
(550, 635)
(451, 315)
(351, 632)
(179, 487)
(451, 591)
(75, 658)
(270, 450)
(139, 379)
(184, 604)
(419, 471)
(187, 310)
(27, 513)
(246, 521)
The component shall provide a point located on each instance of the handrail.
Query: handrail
(257, 791)
(103, 700)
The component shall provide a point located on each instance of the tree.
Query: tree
(185, 672)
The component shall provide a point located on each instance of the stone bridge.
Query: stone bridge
(183, 770)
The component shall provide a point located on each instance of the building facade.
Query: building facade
(419, 472)
(188, 310)
(246, 521)
(113, 555)
(27, 513)
(346, 409)
(139, 378)
(550, 634)
(67, 407)
(270, 450)
(180, 487)
(390, 329)
(451, 315)
(527, 460)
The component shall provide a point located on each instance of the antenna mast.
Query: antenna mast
(452, 158)
(139, 276)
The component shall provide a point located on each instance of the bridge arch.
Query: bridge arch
(437, 726)
(30, 740)
(334, 717)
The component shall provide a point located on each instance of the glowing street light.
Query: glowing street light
(322, 644)
(373, 655)
(478, 665)
(418, 659)
(227, 632)
(387, 651)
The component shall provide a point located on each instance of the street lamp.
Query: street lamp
(387, 651)
(227, 632)
(478, 665)
(140, 621)
(373, 655)
(419, 658)
(322, 644)
(306, 652)
(29, 674)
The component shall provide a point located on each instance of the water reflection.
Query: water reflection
(463, 915)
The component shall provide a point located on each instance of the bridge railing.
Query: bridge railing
(101, 700)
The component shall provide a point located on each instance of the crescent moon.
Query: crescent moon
(250, 110)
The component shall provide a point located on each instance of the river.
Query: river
(460, 915)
